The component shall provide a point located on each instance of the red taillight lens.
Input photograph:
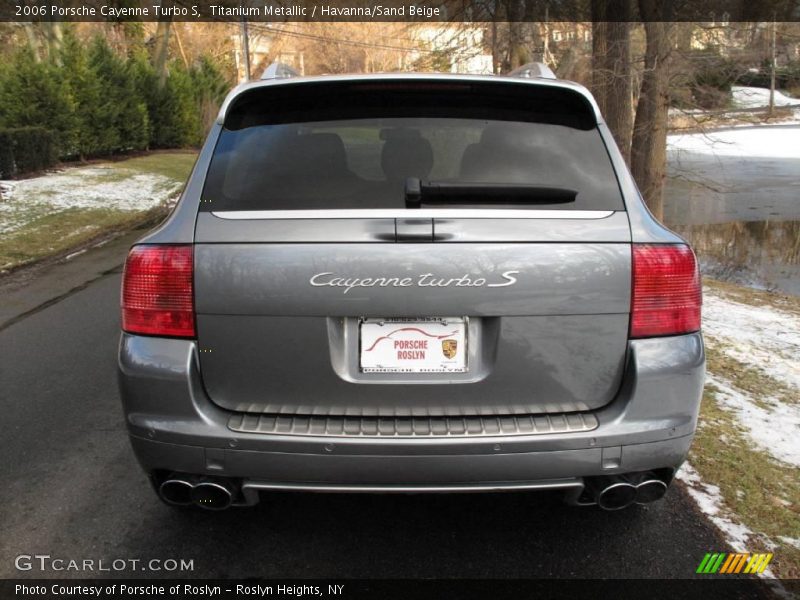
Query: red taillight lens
(666, 291)
(157, 295)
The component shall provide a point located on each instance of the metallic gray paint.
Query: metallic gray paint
(273, 279)
(518, 365)
(647, 406)
(175, 426)
(560, 332)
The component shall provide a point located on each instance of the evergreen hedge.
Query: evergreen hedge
(26, 149)
(98, 102)
(7, 168)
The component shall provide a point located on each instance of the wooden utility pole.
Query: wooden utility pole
(180, 46)
(245, 49)
(546, 36)
(772, 70)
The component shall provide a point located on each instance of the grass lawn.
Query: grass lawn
(175, 165)
(756, 489)
(51, 214)
(762, 493)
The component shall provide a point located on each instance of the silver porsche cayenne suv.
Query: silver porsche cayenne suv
(410, 283)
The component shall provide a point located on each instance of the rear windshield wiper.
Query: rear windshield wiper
(429, 193)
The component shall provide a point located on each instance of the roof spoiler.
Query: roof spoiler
(533, 70)
(279, 70)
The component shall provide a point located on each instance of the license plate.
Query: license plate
(430, 345)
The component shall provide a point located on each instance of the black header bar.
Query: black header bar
(421, 11)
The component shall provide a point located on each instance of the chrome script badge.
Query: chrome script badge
(330, 279)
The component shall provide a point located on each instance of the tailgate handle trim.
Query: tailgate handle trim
(413, 230)
(416, 213)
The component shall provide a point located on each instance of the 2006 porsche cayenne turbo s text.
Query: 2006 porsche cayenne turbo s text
(411, 283)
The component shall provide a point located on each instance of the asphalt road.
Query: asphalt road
(71, 488)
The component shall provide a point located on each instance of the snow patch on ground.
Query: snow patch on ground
(765, 337)
(746, 98)
(754, 97)
(744, 142)
(768, 339)
(103, 187)
(711, 504)
(791, 541)
(772, 430)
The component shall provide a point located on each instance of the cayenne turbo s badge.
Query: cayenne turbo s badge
(329, 279)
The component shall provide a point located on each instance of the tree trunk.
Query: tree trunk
(611, 68)
(161, 52)
(599, 52)
(518, 53)
(517, 50)
(54, 36)
(33, 42)
(649, 146)
(495, 48)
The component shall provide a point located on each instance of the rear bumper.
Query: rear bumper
(175, 427)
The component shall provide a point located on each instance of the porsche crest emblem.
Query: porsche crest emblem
(449, 348)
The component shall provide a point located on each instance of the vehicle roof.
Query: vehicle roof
(305, 80)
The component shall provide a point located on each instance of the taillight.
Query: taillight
(157, 294)
(666, 291)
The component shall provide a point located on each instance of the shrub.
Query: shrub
(26, 149)
(786, 76)
(98, 102)
(7, 168)
(34, 95)
(703, 79)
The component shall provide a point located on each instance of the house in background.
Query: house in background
(338, 48)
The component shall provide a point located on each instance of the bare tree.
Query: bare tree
(512, 33)
(611, 64)
(161, 51)
(33, 41)
(518, 53)
(649, 144)
(53, 35)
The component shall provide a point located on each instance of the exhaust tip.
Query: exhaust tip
(650, 491)
(616, 496)
(176, 491)
(211, 495)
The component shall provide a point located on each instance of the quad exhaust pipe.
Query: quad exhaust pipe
(616, 492)
(611, 492)
(650, 490)
(206, 492)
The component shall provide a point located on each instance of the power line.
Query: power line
(406, 28)
(334, 40)
(331, 40)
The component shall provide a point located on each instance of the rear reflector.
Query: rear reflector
(666, 291)
(157, 295)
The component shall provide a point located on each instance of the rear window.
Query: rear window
(315, 146)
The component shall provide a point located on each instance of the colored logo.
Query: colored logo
(724, 563)
(449, 348)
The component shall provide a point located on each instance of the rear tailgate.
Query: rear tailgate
(288, 270)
